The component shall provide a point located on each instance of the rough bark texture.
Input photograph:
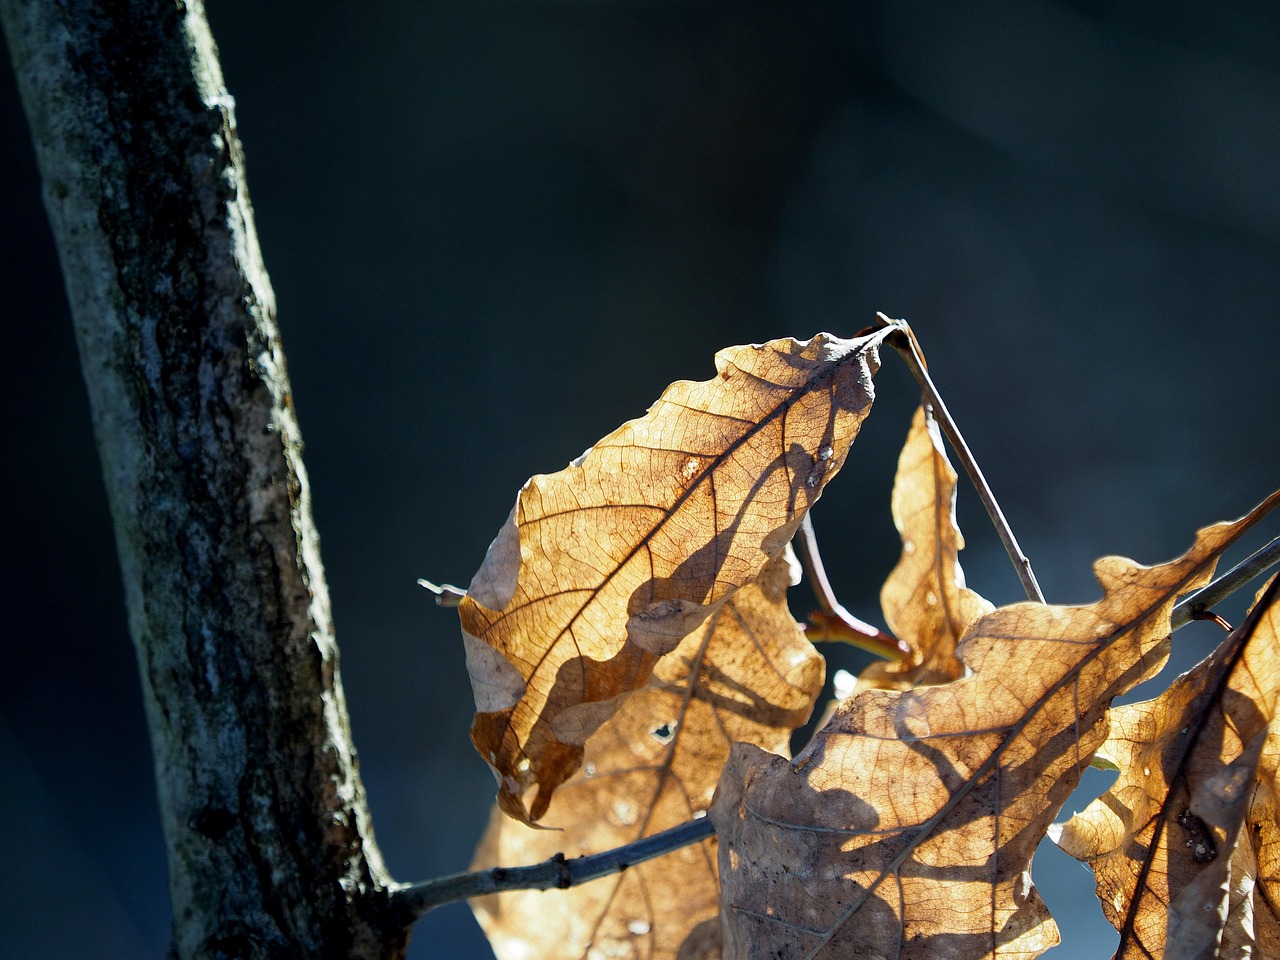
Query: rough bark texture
(271, 851)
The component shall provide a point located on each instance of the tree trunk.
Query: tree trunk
(271, 850)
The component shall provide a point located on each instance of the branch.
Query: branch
(269, 839)
(904, 341)
(831, 621)
(411, 902)
(1204, 599)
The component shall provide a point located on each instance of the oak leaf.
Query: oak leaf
(1255, 881)
(906, 828)
(925, 600)
(1162, 842)
(606, 566)
(748, 674)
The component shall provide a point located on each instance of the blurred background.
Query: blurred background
(497, 230)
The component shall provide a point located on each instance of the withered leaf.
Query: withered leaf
(925, 600)
(906, 828)
(1254, 927)
(606, 566)
(1161, 842)
(748, 674)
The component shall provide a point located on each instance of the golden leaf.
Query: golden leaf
(906, 828)
(925, 600)
(606, 566)
(747, 675)
(1162, 841)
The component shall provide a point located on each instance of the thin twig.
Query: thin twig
(904, 341)
(1200, 613)
(447, 595)
(411, 902)
(1227, 584)
(831, 621)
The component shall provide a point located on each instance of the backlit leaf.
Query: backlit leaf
(1255, 880)
(1162, 840)
(906, 828)
(605, 567)
(925, 600)
(748, 674)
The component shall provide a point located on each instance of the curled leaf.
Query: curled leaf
(606, 566)
(748, 674)
(906, 828)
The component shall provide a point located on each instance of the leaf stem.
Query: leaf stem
(904, 341)
(831, 621)
(447, 595)
(1252, 566)
(410, 902)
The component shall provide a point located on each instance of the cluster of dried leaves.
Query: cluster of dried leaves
(635, 666)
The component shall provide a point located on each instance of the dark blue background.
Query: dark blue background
(497, 230)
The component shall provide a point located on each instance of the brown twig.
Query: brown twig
(831, 621)
(904, 341)
(1200, 613)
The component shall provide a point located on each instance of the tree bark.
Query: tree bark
(271, 850)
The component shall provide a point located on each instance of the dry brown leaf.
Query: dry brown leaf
(1162, 841)
(747, 675)
(606, 566)
(1199, 912)
(906, 828)
(1252, 928)
(1255, 881)
(925, 600)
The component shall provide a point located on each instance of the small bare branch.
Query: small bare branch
(1251, 567)
(831, 621)
(904, 341)
(410, 902)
